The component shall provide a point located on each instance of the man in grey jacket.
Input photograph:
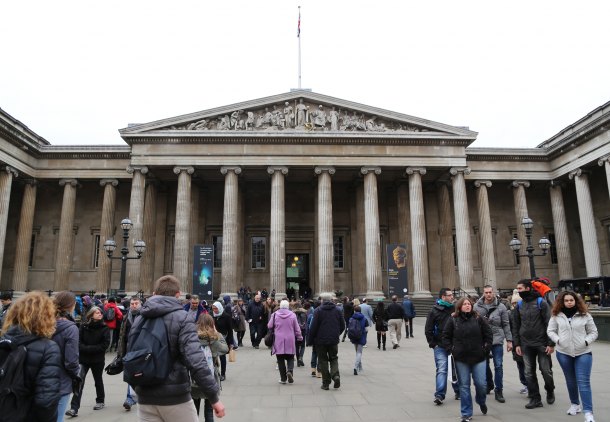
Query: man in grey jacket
(172, 401)
(490, 308)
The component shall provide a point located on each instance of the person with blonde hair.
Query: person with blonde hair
(31, 321)
(66, 337)
(94, 340)
(573, 330)
(213, 345)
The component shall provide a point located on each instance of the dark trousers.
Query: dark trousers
(96, 369)
(530, 354)
(240, 337)
(328, 361)
(408, 327)
(285, 363)
(256, 332)
(208, 412)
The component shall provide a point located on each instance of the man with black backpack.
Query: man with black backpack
(163, 348)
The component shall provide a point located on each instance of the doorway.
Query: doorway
(297, 276)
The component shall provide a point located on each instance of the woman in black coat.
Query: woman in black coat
(381, 323)
(222, 321)
(94, 340)
(469, 338)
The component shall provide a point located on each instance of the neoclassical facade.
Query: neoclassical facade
(302, 179)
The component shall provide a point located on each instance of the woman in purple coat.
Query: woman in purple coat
(287, 331)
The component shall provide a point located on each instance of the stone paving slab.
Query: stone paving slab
(396, 385)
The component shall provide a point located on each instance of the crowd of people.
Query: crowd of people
(67, 336)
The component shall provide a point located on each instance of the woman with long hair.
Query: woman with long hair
(94, 340)
(31, 321)
(573, 330)
(214, 345)
(381, 324)
(469, 339)
(66, 337)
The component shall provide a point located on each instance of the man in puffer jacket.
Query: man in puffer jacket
(172, 401)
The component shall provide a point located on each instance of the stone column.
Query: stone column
(228, 281)
(445, 232)
(24, 237)
(587, 223)
(149, 235)
(462, 229)
(605, 161)
(372, 240)
(183, 222)
(520, 212)
(419, 243)
(107, 228)
(277, 252)
(562, 242)
(326, 267)
(488, 262)
(404, 227)
(136, 215)
(359, 264)
(65, 243)
(6, 181)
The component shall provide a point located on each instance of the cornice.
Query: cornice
(506, 154)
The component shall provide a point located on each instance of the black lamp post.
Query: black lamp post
(110, 246)
(544, 244)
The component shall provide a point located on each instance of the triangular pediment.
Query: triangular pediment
(297, 113)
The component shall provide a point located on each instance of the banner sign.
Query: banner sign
(397, 269)
(203, 271)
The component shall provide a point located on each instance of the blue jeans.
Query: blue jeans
(577, 371)
(358, 361)
(497, 353)
(62, 406)
(441, 356)
(464, 372)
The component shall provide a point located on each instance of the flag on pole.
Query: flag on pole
(299, 24)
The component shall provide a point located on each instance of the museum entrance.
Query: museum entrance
(297, 276)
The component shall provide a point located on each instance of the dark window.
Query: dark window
(258, 252)
(217, 241)
(338, 252)
(96, 251)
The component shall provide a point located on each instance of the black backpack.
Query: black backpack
(110, 314)
(302, 319)
(15, 397)
(354, 329)
(148, 360)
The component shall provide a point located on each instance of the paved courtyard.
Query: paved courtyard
(396, 385)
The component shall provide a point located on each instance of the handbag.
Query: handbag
(232, 355)
(270, 336)
(115, 367)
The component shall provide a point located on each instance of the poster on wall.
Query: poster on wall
(397, 269)
(203, 271)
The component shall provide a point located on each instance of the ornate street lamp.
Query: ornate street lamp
(110, 246)
(515, 244)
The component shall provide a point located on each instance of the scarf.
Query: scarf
(569, 312)
(444, 303)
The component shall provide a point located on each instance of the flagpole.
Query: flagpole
(299, 37)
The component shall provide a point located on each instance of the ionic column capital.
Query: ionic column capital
(517, 183)
(479, 183)
(132, 169)
(31, 182)
(411, 170)
(324, 169)
(603, 160)
(71, 182)
(557, 184)
(367, 170)
(273, 169)
(10, 170)
(113, 182)
(235, 169)
(455, 170)
(187, 169)
(576, 173)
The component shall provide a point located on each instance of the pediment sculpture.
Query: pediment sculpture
(298, 116)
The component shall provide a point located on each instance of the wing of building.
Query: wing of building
(302, 192)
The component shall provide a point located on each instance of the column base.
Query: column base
(317, 295)
(374, 295)
(281, 296)
(422, 293)
(18, 293)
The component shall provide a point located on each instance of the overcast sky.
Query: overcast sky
(516, 72)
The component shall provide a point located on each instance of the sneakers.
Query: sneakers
(533, 404)
(523, 390)
(127, 405)
(290, 377)
(438, 401)
(457, 396)
(589, 417)
(466, 418)
(574, 409)
(98, 406)
(337, 381)
(550, 397)
(282, 381)
(355, 371)
(300, 363)
(72, 412)
(313, 373)
(483, 409)
(395, 346)
(324, 387)
(500, 396)
(318, 374)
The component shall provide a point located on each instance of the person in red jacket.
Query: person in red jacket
(114, 324)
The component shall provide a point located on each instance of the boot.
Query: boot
(384, 337)
(379, 340)
(500, 396)
(534, 403)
